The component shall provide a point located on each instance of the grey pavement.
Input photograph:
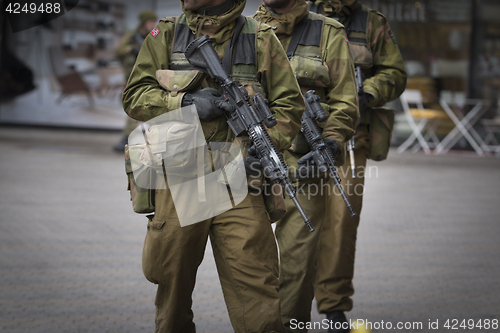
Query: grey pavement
(70, 244)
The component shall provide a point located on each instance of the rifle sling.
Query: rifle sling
(227, 59)
(296, 35)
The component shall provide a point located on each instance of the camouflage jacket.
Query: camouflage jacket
(128, 49)
(380, 58)
(144, 99)
(337, 88)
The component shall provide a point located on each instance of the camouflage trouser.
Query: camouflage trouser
(245, 254)
(338, 237)
(298, 251)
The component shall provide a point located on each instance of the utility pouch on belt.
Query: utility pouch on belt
(380, 132)
(143, 199)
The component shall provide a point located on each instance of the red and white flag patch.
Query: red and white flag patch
(347, 41)
(155, 32)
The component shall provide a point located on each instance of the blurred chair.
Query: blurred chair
(70, 80)
(492, 127)
(423, 122)
(464, 113)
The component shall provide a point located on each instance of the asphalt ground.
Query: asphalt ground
(70, 244)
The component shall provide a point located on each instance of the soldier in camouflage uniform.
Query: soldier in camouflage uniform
(374, 48)
(242, 239)
(321, 61)
(127, 52)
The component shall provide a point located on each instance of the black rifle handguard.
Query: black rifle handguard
(321, 154)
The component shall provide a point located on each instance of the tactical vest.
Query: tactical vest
(356, 29)
(304, 53)
(243, 65)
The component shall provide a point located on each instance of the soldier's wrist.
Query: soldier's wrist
(187, 100)
(371, 99)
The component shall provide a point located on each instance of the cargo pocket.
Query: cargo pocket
(152, 252)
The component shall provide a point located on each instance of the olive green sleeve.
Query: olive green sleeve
(143, 98)
(389, 74)
(341, 94)
(124, 47)
(283, 92)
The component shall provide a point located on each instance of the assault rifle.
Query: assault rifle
(246, 118)
(321, 154)
(351, 142)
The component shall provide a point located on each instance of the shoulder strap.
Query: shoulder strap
(313, 7)
(182, 35)
(227, 59)
(298, 30)
(306, 33)
(357, 21)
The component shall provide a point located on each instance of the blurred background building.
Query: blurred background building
(451, 50)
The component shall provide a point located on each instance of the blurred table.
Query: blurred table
(464, 124)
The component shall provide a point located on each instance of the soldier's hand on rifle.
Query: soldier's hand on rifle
(253, 166)
(307, 167)
(364, 100)
(209, 103)
(333, 146)
(307, 164)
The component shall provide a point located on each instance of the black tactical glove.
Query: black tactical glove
(253, 166)
(364, 100)
(209, 103)
(333, 146)
(307, 166)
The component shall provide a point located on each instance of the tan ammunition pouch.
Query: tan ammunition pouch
(179, 81)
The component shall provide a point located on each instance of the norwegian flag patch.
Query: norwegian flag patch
(347, 41)
(155, 32)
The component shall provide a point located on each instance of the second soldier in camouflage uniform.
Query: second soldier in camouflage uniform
(242, 239)
(375, 50)
(321, 61)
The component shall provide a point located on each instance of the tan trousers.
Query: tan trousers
(298, 253)
(338, 241)
(245, 254)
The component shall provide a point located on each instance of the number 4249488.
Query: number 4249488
(484, 324)
(16, 8)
